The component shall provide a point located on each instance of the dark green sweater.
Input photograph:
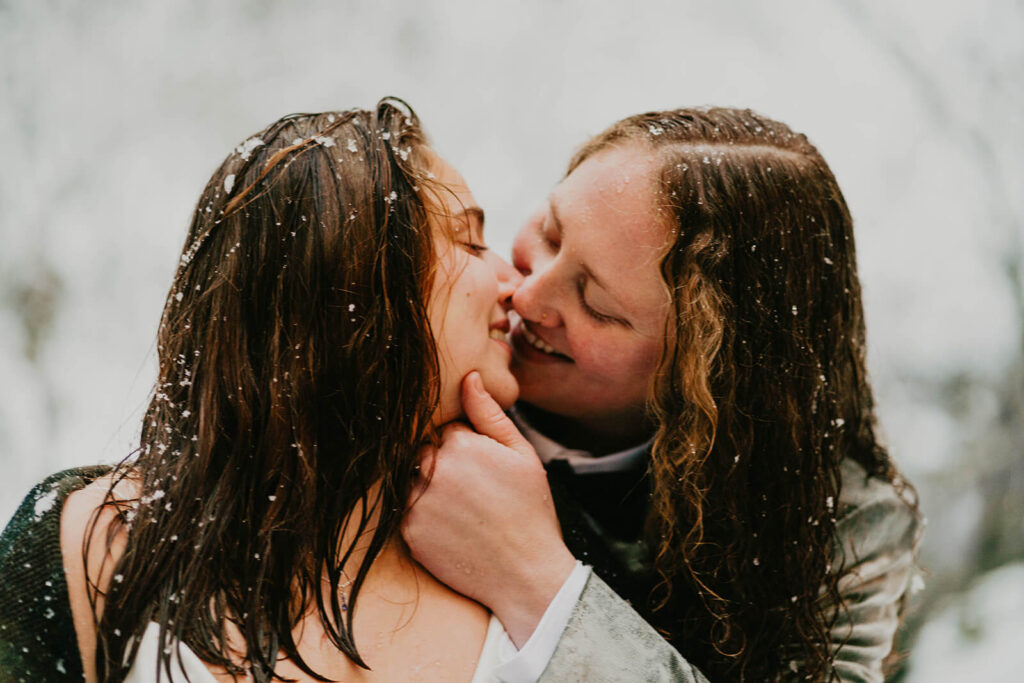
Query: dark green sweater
(37, 636)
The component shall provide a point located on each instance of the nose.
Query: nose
(509, 279)
(534, 298)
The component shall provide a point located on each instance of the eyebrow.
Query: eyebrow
(471, 212)
(586, 269)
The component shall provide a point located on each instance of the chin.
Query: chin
(505, 390)
(554, 404)
(533, 393)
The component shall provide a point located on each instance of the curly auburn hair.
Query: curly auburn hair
(761, 391)
(298, 376)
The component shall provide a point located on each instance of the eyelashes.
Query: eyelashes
(545, 236)
(596, 315)
(475, 248)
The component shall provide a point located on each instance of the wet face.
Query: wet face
(593, 303)
(469, 299)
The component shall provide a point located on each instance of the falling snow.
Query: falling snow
(44, 503)
(246, 148)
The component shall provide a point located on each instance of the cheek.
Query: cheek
(478, 286)
(463, 283)
(616, 360)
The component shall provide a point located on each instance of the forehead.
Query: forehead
(450, 178)
(614, 224)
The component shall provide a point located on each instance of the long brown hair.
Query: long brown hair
(761, 392)
(297, 370)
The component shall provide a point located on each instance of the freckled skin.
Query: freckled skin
(618, 236)
(482, 283)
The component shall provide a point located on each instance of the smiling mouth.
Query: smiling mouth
(539, 344)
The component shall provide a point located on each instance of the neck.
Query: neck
(596, 436)
(393, 570)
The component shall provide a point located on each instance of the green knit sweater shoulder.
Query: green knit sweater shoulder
(37, 636)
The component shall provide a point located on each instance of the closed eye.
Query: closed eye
(551, 238)
(475, 248)
(471, 219)
(596, 315)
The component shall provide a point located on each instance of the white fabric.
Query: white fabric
(491, 654)
(526, 665)
(582, 462)
(144, 668)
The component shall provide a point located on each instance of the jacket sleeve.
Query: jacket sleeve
(606, 641)
(877, 539)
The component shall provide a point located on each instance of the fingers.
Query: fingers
(487, 417)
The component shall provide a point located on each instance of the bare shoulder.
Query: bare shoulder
(89, 553)
(85, 524)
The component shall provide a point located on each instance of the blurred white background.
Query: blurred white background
(114, 113)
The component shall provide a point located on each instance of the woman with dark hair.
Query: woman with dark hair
(691, 361)
(333, 291)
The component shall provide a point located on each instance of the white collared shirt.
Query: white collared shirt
(582, 462)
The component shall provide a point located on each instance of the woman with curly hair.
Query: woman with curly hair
(691, 360)
(333, 291)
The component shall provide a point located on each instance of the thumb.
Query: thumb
(488, 418)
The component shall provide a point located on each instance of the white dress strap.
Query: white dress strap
(490, 654)
(144, 669)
